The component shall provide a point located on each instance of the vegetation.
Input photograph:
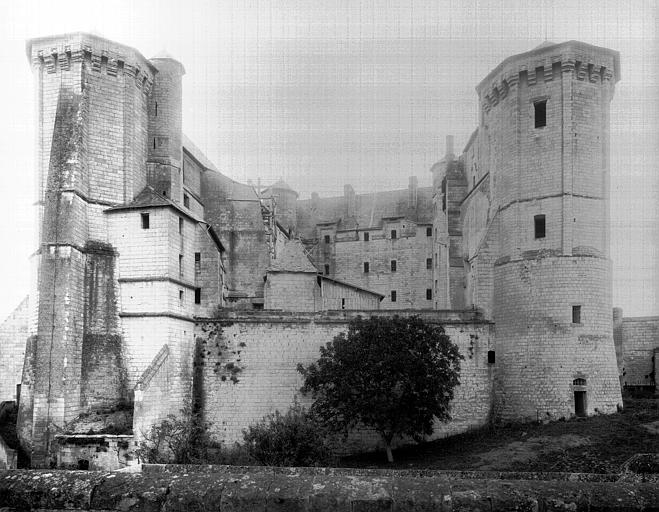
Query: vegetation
(291, 439)
(394, 375)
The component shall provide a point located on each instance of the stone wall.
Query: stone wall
(640, 345)
(249, 366)
(99, 452)
(13, 338)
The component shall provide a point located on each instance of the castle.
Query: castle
(157, 278)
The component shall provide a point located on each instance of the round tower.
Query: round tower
(286, 205)
(164, 172)
(545, 117)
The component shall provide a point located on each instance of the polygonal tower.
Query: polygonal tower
(544, 138)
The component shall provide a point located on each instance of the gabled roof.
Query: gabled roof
(292, 258)
(349, 285)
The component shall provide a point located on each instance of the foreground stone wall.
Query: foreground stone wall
(248, 366)
(309, 490)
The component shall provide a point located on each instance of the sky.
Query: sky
(324, 93)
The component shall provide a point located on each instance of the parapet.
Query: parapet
(590, 63)
(105, 56)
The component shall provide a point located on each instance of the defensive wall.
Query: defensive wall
(637, 349)
(252, 489)
(246, 366)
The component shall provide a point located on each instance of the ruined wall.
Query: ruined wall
(640, 345)
(249, 367)
(13, 338)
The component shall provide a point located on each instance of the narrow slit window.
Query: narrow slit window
(343, 303)
(393, 295)
(366, 267)
(576, 314)
(428, 293)
(393, 265)
(181, 295)
(180, 225)
(539, 226)
(156, 109)
(197, 295)
(540, 108)
(145, 220)
(366, 237)
(186, 200)
(180, 265)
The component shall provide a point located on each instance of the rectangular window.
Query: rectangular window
(197, 263)
(539, 226)
(327, 239)
(576, 314)
(393, 295)
(428, 231)
(181, 296)
(428, 294)
(197, 295)
(428, 263)
(197, 257)
(343, 303)
(366, 267)
(326, 270)
(393, 265)
(180, 265)
(490, 357)
(145, 220)
(393, 234)
(540, 108)
(180, 225)
(366, 237)
(186, 201)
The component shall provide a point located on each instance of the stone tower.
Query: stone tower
(91, 97)
(537, 221)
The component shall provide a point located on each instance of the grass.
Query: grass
(597, 444)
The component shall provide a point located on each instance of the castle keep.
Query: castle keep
(158, 280)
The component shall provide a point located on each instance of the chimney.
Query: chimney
(449, 146)
(349, 197)
(412, 187)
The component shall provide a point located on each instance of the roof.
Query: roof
(280, 185)
(292, 258)
(370, 210)
(349, 285)
(197, 154)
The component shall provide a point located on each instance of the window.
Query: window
(180, 265)
(366, 267)
(490, 357)
(181, 295)
(540, 108)
(393, 234)
(145, 220)
(579, 382)
(326, 270)
(343, 303)
(393, 265)
(197, 295)
(366, 236)
(539, 226)
(576, 314)
(327, 239)
(197, 257)
(428, 294)
(393, 295)
(186, 200)
(428, 263)
(428, 231)
(180, 225)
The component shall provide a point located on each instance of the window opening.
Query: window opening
(540, 108)
(197, 295)
(326, 270)
(490, 357)
(186, 200)
(428, 231)
(393, 265)
(428, 293)
(343, 303)
(180, 295)
(366, 267)
(539, 226)
(145, 220)
(393, 295)
(180, 225)
(327, 239)
(576, 314)
(366, 237)
(180, 265)
(428, 263)
(393, 234)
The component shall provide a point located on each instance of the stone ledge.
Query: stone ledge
(254, 491)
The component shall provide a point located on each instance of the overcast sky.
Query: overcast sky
(353, 91)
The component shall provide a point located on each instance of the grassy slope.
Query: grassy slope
(598, 444)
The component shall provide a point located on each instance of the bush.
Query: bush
(181, 439)
(293, 439)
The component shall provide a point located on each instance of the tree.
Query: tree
(393, 374)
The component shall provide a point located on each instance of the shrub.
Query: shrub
(291, 439)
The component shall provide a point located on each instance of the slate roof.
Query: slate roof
(292, 258)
